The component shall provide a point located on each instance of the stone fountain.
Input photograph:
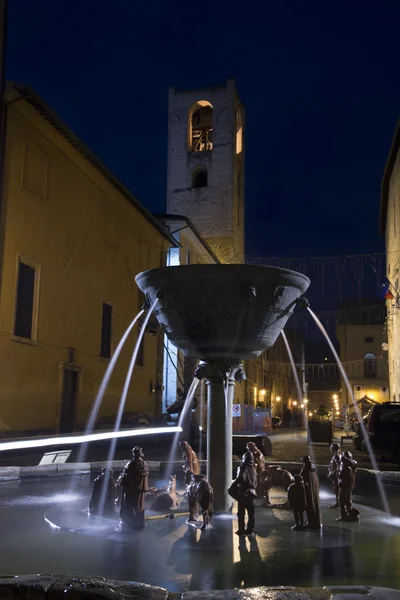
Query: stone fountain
(222, 315)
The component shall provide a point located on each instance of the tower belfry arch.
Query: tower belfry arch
(206, 165)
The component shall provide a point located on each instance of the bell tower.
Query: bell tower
(206, 165)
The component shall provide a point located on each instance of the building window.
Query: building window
(199, 177)
(106, 329)
(25, 318)
(140, 354)
(239, 133)
(35, 171)
(201, 126)
(369, 366)
(369, 340)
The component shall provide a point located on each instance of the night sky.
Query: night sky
(320, 81)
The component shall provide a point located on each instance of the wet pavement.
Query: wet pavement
(171, 554)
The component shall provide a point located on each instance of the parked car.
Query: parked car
(383, 428)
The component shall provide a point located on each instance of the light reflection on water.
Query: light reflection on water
(393, 521)
(60, 498)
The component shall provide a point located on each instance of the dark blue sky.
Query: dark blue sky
(320, 81)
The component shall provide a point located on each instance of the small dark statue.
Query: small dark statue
(297, 499)
(134, 484)
(103, 492)
(347, 482)
(191, 464)
(333, 471)
(243, 489)
(200, 493)
(275, 476)
(166, 497)
(313, 508)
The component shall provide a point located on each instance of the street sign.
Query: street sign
(236, 410)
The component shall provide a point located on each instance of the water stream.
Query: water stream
(121, 407)
(103, 386)
(299, 393)
(358, 413)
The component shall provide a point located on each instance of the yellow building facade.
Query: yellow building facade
(72, 240)
(390, 227)
(364, 362)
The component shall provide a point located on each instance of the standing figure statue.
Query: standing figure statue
(333, 471)
(134, 481)
(191, 464)
(347, 482)
(313, 508)
(297, 499)
(103, 496)
(259, 461)
(243, 490)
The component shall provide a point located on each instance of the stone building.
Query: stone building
(390, 227)
(360, 335)
(206, 165)
(72, 240)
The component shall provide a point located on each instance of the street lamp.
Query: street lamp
(335, 396)
(278, 398)
(294, 403)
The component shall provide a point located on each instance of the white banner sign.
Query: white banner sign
(236, 410)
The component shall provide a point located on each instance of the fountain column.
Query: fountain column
(220, 380)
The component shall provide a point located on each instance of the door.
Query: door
(68, 401)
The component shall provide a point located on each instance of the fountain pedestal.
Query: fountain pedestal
(220, 378)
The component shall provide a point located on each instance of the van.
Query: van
(383, 428)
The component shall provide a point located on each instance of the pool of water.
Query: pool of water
(171, 554)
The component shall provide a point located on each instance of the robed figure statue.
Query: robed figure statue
(134, 482)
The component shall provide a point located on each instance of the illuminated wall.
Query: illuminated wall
(364, 360)
(86, 242)
(392, 270)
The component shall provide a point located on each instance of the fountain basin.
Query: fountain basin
(214, 312)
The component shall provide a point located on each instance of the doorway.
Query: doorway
(68, 401)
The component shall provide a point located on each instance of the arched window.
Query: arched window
(239, 133)
(201, 126)
(370, 366)
(199, 177)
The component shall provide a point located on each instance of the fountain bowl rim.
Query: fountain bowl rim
(226, 267)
